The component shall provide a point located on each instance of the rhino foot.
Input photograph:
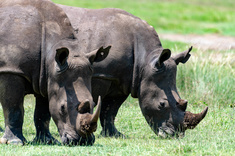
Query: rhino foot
(48, 140)
(13, 137)
(12, 141)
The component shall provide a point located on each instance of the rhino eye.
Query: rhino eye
(160, 67)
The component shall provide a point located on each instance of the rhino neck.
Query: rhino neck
(139, 55)
(143, 48)
(55, 27)
(43, 74)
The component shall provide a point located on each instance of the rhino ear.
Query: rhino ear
(183, 57)
(62, 56)
(98, 55)
(165, 55)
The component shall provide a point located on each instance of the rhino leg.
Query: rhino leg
(12, 91)
(42, 119)
(109, 109)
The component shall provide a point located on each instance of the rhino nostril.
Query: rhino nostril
(182, 104)
(162, 104)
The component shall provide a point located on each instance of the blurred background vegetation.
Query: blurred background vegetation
(174, 16)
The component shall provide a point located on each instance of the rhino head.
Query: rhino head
(69, 92)
(160, 102)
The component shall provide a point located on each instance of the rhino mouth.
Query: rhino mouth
(78, 140)
(83, 134)
(168, 132)
(190, 121)
(165, 132)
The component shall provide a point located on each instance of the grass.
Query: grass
(208, 76)
(178, 16)
(207, 79)
(214, 136)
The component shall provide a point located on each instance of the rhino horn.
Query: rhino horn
(96, 115)
(192, 120)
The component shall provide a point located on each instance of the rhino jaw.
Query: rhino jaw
(192, 120)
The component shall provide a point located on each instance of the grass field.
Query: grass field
(174, 16)
(207, 79)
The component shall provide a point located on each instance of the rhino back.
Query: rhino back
(28, 30)
(20, 35)
(120, 29)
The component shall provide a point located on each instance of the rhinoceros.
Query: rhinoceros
(38, 55)
(138, 65)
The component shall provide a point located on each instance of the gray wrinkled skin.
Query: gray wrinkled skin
(136, 64)
(39, 56)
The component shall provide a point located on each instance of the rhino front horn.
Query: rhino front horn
(192, 120)
(96, 115)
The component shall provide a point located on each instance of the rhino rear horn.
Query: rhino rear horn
(96, 115)
(192, 120)
(84, 107)
(182, 104)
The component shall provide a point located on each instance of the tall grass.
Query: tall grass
(208, 77)
(209, 74)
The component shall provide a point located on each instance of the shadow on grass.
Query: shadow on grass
(1, 130)
(33, 143)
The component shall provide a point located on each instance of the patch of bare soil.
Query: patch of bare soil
(213, 42)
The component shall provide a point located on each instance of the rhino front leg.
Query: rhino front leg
(109, 109)
(42, 119)
(12, 91)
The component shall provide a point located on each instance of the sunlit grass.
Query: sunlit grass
(180, 16)
(213, 136)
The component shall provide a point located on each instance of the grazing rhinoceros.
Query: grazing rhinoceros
(38, 55)
(137, 64)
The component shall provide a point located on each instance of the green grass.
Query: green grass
(202, 81)
(207, 79)
(214, 136)
(178, 16)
